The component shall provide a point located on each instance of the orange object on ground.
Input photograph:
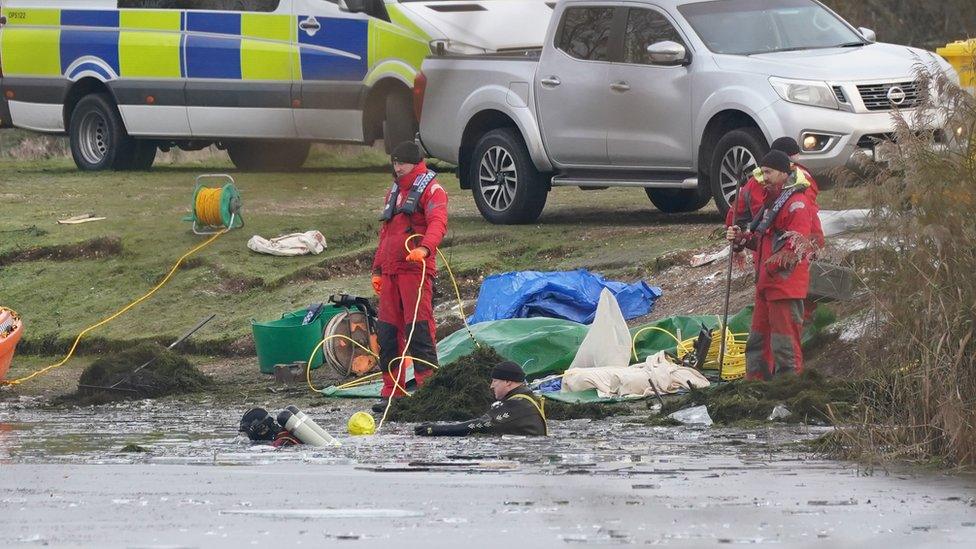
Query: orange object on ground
(11, 328)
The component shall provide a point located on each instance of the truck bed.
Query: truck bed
(457, 85)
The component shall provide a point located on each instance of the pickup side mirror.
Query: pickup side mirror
(868, 34)
(353, 6)
(668, 53)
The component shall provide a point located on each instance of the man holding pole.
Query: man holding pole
(781, 238)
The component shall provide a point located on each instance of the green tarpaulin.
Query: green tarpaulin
(546, 346)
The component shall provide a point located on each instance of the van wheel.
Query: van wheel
(507, 188)
(399, 125)
(97, 135)
(736, 154)
(142, 156)
(268, 156)
(678, 200)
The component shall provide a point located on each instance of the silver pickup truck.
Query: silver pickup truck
(679, 97)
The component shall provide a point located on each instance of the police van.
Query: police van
(259, 78)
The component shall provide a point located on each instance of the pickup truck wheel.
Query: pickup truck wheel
(507, 188)
(97, 135)
(400, 124)
(736, 154)
(268, 156)
(678, 200)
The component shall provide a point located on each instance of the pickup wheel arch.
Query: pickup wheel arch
(477, 127)
(747, 133)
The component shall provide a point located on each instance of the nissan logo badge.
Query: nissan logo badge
(896, 95)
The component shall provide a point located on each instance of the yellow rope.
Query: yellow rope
(208, 206)
(734, 365)
(118, 313)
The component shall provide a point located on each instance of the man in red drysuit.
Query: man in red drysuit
(752, 196)
(782, 242)
(416, 204)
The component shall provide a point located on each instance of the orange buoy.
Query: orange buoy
(11, 328)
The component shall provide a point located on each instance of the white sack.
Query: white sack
(634, 381)
(309, 242)
(607, 343)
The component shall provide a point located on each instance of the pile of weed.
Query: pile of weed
(457, 392)
(810, 397)
(461, 391)
(169, 374)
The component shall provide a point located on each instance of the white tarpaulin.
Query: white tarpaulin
(832, 222)
(607, 343)
(634, 381)
(309, 242)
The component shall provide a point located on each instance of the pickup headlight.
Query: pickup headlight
(441, 47)
(805, 92)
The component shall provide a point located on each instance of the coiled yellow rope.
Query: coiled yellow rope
(208, 206)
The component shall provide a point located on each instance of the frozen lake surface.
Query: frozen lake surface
(65, 482)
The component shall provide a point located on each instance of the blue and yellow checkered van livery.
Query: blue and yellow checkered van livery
(202, 59)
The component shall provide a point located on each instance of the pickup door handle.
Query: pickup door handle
(551, 82)
(620, 86)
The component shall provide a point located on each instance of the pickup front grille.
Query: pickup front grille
(880, 97)
(868, 141)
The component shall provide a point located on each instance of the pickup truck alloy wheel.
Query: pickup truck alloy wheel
(507, 187)
(735, 155)
(736, 162)
(498, 178)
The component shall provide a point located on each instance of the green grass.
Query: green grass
(616, 232)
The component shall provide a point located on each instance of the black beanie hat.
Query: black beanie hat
(408, 153)
(508, 371)
(776, 160)
(787, 145)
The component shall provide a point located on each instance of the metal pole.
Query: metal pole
(728, 281)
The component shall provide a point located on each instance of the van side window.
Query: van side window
(646, 27)
(585, 33)
(212, 5)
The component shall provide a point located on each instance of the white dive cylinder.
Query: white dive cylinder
(307, 422)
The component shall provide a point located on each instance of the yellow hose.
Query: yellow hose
(120, 312)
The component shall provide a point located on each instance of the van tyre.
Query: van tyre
(268, 156)
(507, 188)
(678, 200)
(399, 124)
(98, 137)
(736, 154)
(142, 156)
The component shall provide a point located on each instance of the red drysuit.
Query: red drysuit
(401, 278)
(782, 278)
(751, 204)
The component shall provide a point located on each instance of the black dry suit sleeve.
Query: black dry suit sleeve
(477, 425)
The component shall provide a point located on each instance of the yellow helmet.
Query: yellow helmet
(362, 423)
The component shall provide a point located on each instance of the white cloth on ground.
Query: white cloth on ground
(309, 242)
(607, 342)
(634, 381)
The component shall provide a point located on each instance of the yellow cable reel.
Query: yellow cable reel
(215, 209)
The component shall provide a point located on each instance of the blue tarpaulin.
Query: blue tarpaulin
(570, 295)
